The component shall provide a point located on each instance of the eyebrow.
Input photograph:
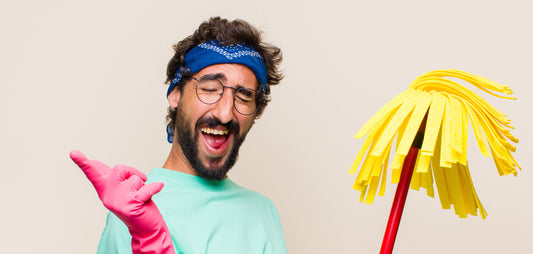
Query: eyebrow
(221, 77)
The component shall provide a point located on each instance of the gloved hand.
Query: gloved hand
(123, 192)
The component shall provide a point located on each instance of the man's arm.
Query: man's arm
(123, 191)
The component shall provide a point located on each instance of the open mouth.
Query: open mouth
(215, 139)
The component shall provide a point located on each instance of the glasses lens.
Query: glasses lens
(244, 100)
(209, 90)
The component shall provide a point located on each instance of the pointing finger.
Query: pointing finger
(79, 159)
(87, 166)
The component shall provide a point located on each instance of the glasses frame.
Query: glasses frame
(222, 94)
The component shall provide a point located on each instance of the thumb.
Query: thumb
(147, 191)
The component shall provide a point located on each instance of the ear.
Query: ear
(174, 97)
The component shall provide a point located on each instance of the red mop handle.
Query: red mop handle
(401, 191)
(399, 201)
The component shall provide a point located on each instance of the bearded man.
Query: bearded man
(220, 80)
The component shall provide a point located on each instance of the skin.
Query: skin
(235, 75)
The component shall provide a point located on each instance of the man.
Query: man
(220, 80)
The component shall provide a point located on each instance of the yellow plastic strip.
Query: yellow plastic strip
(384, 176)
(391, 129)
(433, 123)
(427, 183)
(440, 178)
(422, 104)
(456, 192)
(383, 112)
(446, 135)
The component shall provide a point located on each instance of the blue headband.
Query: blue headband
(211, 53)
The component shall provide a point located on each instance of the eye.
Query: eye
(208, 90)
(245, 95)
(208, 85)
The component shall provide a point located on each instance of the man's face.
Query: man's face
(209, 136)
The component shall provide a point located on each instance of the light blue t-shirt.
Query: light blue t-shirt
(205, 216)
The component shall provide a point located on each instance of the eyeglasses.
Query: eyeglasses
(209, 91)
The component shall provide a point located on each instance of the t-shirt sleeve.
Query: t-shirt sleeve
(278, 245)
(116, 238)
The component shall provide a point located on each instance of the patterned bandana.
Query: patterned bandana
(211, 53)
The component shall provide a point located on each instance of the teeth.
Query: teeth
(214, 131)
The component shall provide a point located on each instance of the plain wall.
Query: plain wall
(89, 75)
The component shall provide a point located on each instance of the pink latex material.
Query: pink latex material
(123, 191)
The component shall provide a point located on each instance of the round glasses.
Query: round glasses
(209, 91)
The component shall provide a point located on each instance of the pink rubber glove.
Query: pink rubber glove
(123, 192)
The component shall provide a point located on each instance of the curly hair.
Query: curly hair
(226, 33)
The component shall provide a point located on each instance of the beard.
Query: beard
(188, 141)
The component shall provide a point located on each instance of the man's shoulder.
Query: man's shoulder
(251, 195)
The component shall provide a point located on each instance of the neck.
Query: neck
(177, 161)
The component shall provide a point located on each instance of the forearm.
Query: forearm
(157, 242)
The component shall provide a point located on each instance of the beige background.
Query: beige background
(89, 75)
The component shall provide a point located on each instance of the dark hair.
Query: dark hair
(226, 33)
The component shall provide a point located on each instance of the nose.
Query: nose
(223, 110)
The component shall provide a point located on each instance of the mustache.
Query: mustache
(212, 122)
